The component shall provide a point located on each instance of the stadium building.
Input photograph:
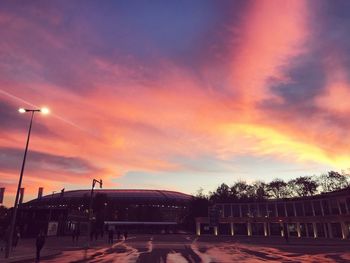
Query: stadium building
(321, 216)
(132, 210)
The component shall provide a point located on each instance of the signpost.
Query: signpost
(52, 228)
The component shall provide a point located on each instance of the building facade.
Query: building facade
(320, 216)
(135, 210)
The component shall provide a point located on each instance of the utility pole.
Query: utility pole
(94, 181)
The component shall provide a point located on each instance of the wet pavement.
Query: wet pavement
(182, 248)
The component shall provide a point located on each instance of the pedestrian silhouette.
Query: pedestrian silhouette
(118, 235)
(125, 235)
(40, 241)
(7, 238)
(110, 236)
(16, 237)
(285, 230)
(3, 238)
(73, 236)
(77, 234)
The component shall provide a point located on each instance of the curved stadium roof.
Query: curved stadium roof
(141, 195)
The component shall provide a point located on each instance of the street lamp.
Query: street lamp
(14, 214)
(94, 181)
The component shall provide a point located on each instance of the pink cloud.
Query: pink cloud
(133, 118)
(271, 33)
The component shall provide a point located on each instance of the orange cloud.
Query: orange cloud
(133, 118)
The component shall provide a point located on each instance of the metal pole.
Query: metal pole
(94, 181)
(14, 214)
(90, 208)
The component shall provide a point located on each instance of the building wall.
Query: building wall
(69, 212)
(322, 216)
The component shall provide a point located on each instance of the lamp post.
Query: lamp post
(15, 206)
(94, 181)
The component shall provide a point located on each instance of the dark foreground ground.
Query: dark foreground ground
(187, 248)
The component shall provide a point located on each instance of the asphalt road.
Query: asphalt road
(182, 248)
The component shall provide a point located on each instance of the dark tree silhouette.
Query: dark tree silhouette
(222, 194)
(259, 191)
(332, 181)
(240, 190)
(278, 188)
(303, 186)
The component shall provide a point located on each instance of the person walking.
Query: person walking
(118, 235)
(125, 235)
(73, 235)
(7, 238)
(2, 238)
(16, 237)
(40, 241)
(110, 236)
(285, 230)
(91, 235)
(77, 234)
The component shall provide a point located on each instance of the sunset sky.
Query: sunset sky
(173, 95)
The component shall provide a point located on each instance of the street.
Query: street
(185, 248)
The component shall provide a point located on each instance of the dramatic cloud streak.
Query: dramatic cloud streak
(191, 90)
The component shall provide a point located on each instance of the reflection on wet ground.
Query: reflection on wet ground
(253, 253)
(178, 249)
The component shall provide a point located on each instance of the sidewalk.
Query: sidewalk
(26, 250)
(275, 240)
